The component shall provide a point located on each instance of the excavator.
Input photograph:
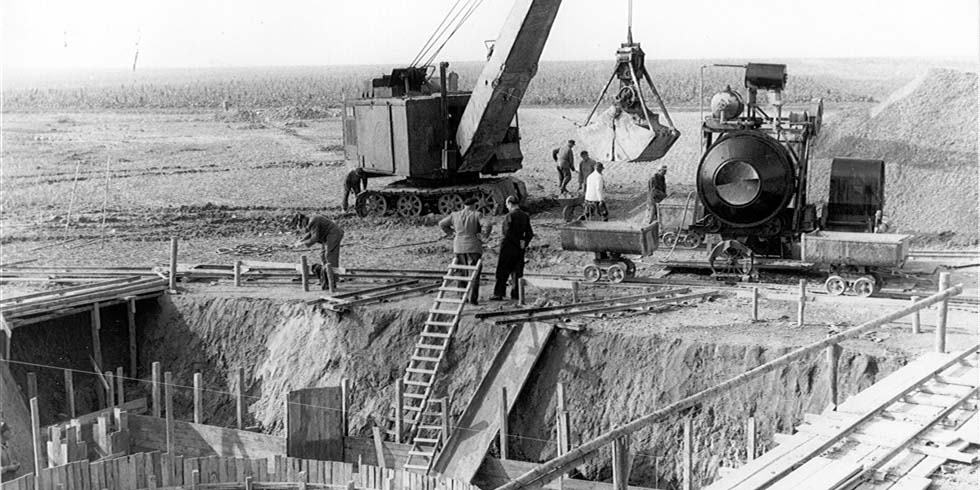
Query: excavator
(450, 145)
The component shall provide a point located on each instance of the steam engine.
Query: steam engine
(753, 171)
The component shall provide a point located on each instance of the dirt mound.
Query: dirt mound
(927, 134)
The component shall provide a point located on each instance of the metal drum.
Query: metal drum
(746, 178)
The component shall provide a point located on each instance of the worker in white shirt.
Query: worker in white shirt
(595, 195)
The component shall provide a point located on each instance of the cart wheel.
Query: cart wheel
(592, 273)
(864, 286)
(692, 240)
(616, 273)
(835, 285)
(669, 239)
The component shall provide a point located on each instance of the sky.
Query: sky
(65, 34)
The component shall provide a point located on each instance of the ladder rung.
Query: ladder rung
(421, 371)
(463, 267)
(426, 440)
(435, 334)
(456, 278)
(426, 454)
(437, 311)
(412, 408)
(416, 383)
(430, 427)
(416, 467)
(425, 359)
(449, 300)
(450, 289)
(440, 324)
(414, 395)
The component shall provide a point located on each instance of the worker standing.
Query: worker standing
(322, 230)
(595, 195)
(467, 242)
(517, 234)
(355, 181)
(656, 192)
(566, 165)
(8, 467)
(585, 167)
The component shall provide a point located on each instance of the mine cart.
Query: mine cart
(676, 215)
(855, 261)
(610, 240)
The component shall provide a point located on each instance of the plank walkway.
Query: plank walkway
(892, 435)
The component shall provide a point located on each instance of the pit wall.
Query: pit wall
(609, 379)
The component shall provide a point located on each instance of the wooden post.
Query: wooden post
(521, 291)
(70, 393)
(802, 305)
(304, 273)
(503, 423)
(399, 414)
(240, 398)
(36, 438)
(238, 273)
(197, 398)
(31, 385)
(344, 403)
(916, 318)
(561, 420)
(833, 358)
(755, 303)
(155, 389)
(688, 470)
(574, 291)
(444, 418)
(378, 446)
(120, 387)
(111, 388)
(173, 263)
(750, 436)
(168, 395)
(97, 349)
(943, 308)
(621, 463)
(131, 320)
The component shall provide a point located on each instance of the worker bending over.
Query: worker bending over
(321, 230)
(355, 181)
(468, 234)
(595, 195)
(656, 192)
(517, 234)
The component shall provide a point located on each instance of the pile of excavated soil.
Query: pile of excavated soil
(926, 133)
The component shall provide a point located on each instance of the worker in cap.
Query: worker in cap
(328, 234)
(656, 192)
(8, 467)
(595, 195)
(468, 233)
(565, 161)
(355, 181)
(517, 235)
(585, 167)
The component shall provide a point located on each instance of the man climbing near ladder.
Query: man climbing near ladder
(468, 234)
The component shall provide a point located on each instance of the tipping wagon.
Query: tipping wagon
(858, 262)
(610, 241)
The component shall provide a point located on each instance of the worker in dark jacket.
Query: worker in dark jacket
(566, 165)
(321, 230)
(656, 192)
(585, 167)
(517, 234)
(355, 181)
(468, 239)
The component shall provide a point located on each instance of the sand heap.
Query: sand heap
(927, 134)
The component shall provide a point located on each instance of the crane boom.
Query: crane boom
(503, 81)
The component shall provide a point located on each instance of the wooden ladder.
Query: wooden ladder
(419, 418)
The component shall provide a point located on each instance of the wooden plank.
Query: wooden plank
(131, 322)
(314, 423)
(97, 349)
(379, 445)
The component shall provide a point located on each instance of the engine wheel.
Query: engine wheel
(732, 258)
(835, 285)
(692, 240)
(371, 203)
(409, 206)
(616, 273)
(669, 239)
(486, 204)
(592, 273)
(449, 203)
(864, 286)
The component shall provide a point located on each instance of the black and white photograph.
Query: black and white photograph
(489, 245)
